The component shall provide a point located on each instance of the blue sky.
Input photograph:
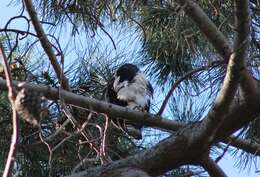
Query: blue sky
(226, 163)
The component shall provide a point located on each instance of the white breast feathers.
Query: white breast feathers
(135, 93)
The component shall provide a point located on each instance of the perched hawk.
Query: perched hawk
(130, 88)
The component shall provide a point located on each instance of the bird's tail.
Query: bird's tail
(132, 129)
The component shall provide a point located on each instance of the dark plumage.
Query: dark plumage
(129, 88)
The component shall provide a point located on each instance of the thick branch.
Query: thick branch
(46, 43)
(212, 168)
(235, 68)
(101, 107)
(175, 151)
(146, 119)
(238, 117)
(166, 155)
(121, 172)
(243, 23)
(209, 29)
(245, 145)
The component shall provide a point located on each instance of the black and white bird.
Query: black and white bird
(130, 88)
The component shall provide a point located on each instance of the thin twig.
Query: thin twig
(104, 155)
(75, 123)
(50, 151)
(9, 84)
(228, 145)
(11, 95)
(174, 86)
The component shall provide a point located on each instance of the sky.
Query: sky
(227, 164)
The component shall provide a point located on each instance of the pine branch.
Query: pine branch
(174, 86)
(243, 144)
(144, 118)
(235, 68)
(209, 29)
(46, 44)
(212, 168)
(169, 153)
(243, 24)
(100, 106)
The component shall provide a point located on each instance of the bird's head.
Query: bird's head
(124, 75)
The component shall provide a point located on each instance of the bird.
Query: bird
(129, 88)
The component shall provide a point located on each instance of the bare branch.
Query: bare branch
(209, 29)
(104, 144)
(243, 23)
(8, 75)
(76, 124)
(117, 111)
(174, 86)
(11, 95)
(212, 168)
(50, 152)
(101, 107)
(18, 31)
(46, 44)
(245, 145)
(235, 68)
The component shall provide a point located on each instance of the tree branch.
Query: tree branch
(235, 68)
(243, 24)
(166, 155)
(173, 151)
(46, 44)
(238, 117)
(209, 29)
(212, 168)
(124, 113)
(101, 106)
(11, 95)
(174, 86)
(245, 145)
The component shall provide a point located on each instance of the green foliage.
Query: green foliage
(169, 42)
(171, 45)
(90, 14)
(170, 39)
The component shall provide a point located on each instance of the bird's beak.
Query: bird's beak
(115, 84)
(119, 85)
